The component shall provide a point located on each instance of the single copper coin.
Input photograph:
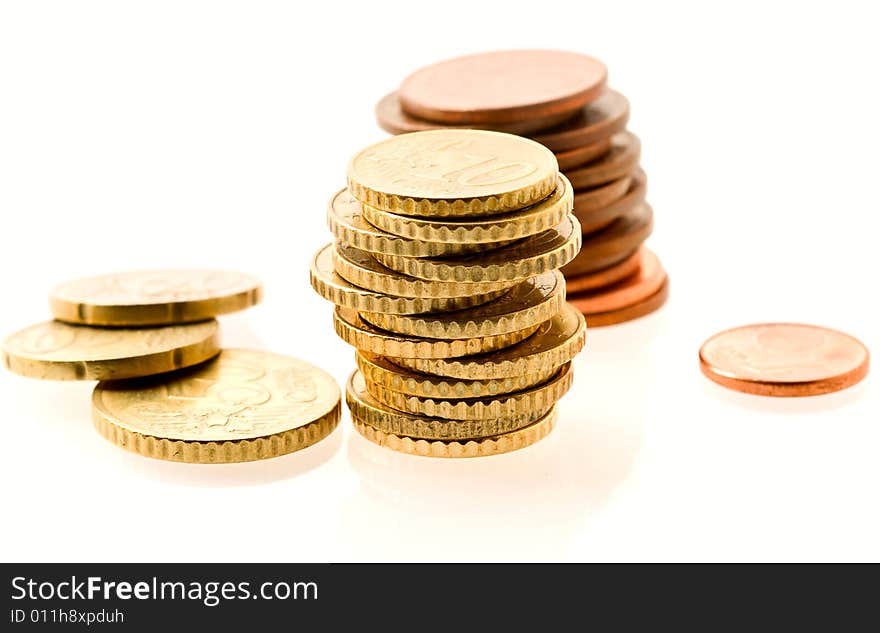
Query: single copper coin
(606, 276)
(394, 120)
(578, 156)
(626, 292)
(591, 199)
(599, 120)
(634, 311)
(784, 359)
(621, 160)
(613, 244)
(593, 220)
(503, 86)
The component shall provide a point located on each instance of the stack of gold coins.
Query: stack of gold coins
(444, 272)
(559, 99)
(168, 390)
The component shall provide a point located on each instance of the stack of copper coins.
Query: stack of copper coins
(444, 273)
(561, 100)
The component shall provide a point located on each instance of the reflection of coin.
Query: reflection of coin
(242, 406)
(452, 173)
(784, 359)
(60, 351)
(160, 297)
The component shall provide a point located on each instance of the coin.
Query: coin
(549, 250)
(621, 160)
(381, 371)
(157, 297)
(579, 155)
(503, 86)
(596, 121)
(525, 305)
(452, 173)
(345, 216)
(492, 230)
(605, 276)
(364, 270)
(367, 409)
(61, 351)
(244, 405)
(352, 329)
(634, 311)
(392, 118)
(784, 359)
(555, 343)
(538, 398)
(463, 448)
(593, 220)
(613, 244)
(588, 200)
(334, 288)
(636, 288)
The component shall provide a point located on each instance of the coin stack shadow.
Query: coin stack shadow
(463, 336)
(614, 278)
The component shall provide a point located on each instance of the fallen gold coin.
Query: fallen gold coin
(242, 406)
(159, 297)
(61, 351)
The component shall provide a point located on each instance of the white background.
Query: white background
(174, 134)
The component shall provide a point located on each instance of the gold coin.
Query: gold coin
(540, 397)
(555, 343)
(366, 408)
(244, 405)
(453, 173)
(489, 230)
(352, 329)
(158, 297)
(334, 288)
(527, 304)
(61, 351)
(345, 216)
(381, 371)
(364, 270)
(484, 447)
(534, 255)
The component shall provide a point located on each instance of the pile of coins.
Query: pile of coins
(560, 100)
(444, 273)
(168, 390)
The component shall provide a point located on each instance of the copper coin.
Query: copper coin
(620, 160)
(635, 311)
(587, 200)
(394, 120)
(784, 359)
(503, 86)
(606, 276)
(634, 289)
(613, 244)
(598, 219)
(600, 119)
(576, 157)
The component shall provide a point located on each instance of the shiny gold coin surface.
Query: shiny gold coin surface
(555, 343)
(61, 351)
(630, 312)
(381, 371)
(538, 398)
(156, 297)
(242, 406)
(527, 304)
(534, 255)
(484, 447)
(352, 329)
(364, 270)
(334, 288)
(621, 160)
(366, 408)
(494, 229)
(784, 359)
(453, 173)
